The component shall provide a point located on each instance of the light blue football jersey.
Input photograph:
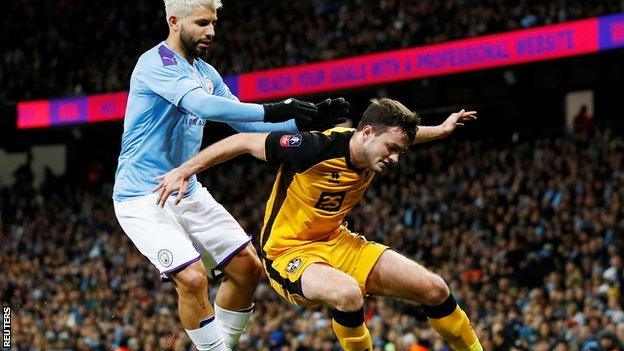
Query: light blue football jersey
(159, 134)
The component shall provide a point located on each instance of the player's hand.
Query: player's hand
(301, 111)
(170, 182)
(330, 113)
(457, 119)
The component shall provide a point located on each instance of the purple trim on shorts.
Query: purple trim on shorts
(227, 260)
(182, 266)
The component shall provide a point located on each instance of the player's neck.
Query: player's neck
(175, 44)
(355, 152)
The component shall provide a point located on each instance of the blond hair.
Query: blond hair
(181, 8)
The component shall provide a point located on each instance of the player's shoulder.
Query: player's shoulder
(330, 139)
(300, 151)
(331, 143)
(158, 56)
(339, 131)
(338, 134)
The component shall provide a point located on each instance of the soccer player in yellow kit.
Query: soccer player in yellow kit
(309, 256)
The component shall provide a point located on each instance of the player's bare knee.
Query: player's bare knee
(192, 280)
(348, 298)
(253, 269)
(437, 292)
(245, 267)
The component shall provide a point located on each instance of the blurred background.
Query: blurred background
(521, 212)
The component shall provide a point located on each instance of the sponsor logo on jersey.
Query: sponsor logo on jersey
(194, 121)
(330, 202)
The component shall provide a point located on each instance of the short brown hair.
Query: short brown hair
(391, 113)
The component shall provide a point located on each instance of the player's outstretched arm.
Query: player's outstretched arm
(457, 119)
(220, 109)
(331, 112)
(178, 178)
(263, 127)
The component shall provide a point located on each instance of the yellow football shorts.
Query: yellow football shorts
(348, 252)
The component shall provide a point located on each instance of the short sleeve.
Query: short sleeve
(298, 151)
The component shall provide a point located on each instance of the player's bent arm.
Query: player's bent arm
(178, 178)
(224, 150)
(220, 109)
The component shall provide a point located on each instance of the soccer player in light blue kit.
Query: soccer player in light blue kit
(172, 93)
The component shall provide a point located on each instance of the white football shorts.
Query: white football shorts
(177, 236)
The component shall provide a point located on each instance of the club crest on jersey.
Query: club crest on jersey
(209, 86)
(293, 265)
(290, 140)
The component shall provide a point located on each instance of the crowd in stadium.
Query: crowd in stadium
(528, 233)
(251, 35)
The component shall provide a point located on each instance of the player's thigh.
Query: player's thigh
(395, 275)
(322, 283)
(286, 274)
(353, 254)
(212, 228)
(157, 235)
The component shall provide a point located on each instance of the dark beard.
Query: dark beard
(190, 47)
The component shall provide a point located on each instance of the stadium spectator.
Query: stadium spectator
(44, 57)
(481, 213)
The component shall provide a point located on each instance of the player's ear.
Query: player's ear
(368, 131)
(173, 22)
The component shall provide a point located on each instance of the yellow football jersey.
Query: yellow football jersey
(315, 188)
